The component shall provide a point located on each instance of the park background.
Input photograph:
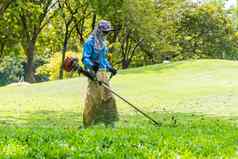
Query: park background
(176, 61)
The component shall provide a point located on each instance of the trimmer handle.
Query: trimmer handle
(88, 74)
(111, 76)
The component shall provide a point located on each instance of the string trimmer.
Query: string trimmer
(71, 64)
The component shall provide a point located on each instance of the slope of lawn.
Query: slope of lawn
(197, 102)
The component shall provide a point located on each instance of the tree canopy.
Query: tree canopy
(146, 32)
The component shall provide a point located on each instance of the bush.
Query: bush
(11, 70)
(38, 62)
(51, 69)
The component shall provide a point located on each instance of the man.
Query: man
(100, 105)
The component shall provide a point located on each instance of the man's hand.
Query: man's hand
(95, 67)
(113, 71)
(90, 74)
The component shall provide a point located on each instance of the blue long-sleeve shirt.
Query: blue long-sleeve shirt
(93, 55)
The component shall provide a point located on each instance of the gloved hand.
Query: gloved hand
(95, 67)
(90, 74)
(113, 71)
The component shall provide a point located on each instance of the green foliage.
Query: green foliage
(138, 28)
(9, 33)
(11, 70)
(205, 32)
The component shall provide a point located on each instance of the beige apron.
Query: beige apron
(100, 105)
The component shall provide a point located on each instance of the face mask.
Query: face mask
(105, 33)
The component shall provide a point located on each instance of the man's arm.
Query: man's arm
(87, 52)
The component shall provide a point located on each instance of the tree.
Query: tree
(33, 16)
(205, 31)
(4, 4)
(68, 21)
(138, 26)
(9, 33)
(73, 14)
(145, 29)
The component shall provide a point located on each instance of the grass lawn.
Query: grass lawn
(197, 102)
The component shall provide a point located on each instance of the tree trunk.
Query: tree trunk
(29, 70)
(125, 63)
(116, 32)
(94, 21)
(79, 29)
(1, 50)
(223, 55)
(61, 73)
(80, 34)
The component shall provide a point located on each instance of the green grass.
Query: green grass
(195, 100)
(190, 137)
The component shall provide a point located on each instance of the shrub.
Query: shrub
(11, 70)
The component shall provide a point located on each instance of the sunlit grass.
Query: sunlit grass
(195, 100)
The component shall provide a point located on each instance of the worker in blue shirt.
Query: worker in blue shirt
(100, 104)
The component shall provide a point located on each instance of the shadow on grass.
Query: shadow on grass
(56, 119)
(43, 119)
